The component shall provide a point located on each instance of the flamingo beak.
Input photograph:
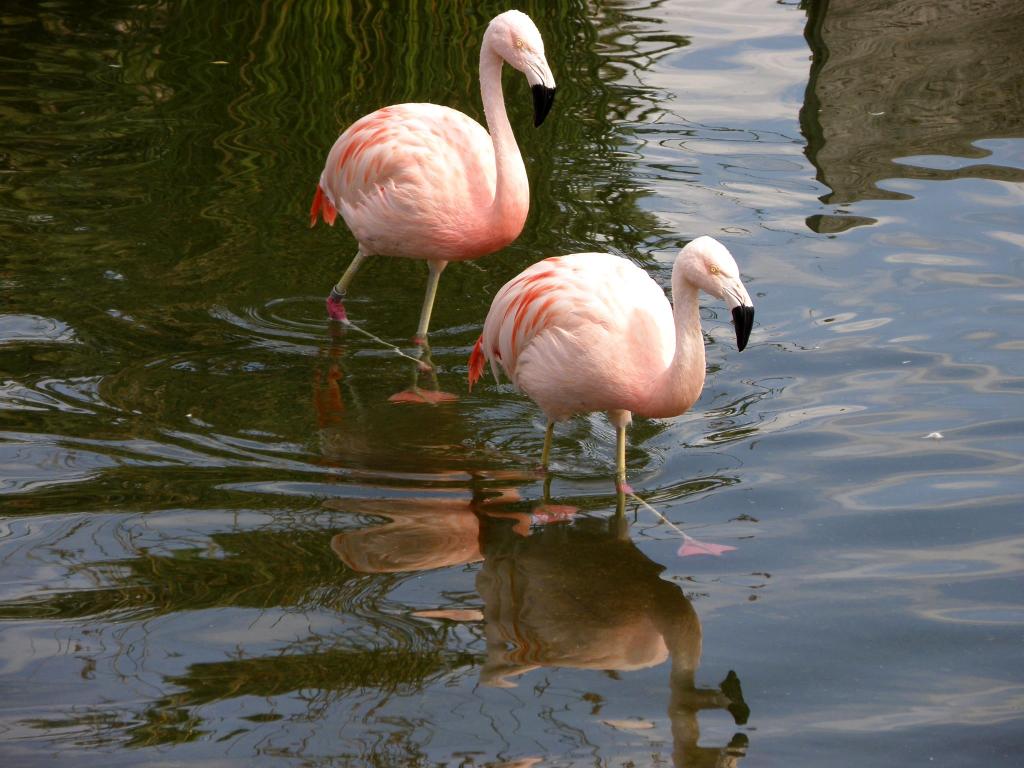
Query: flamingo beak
(543, 98)
(743, 319)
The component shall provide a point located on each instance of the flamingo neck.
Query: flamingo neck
(512, 190)
(679, 386)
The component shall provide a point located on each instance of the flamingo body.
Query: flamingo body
(593, 332)
(557, 330)
(425, 181)
(413, 180)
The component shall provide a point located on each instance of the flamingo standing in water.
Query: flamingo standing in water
(593, 332)
(428, 182)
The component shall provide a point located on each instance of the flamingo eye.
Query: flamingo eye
(713, 269)
(520, 44)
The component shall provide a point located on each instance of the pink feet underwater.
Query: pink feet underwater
(421, 396)
(692, 546)
(414, 394)
(547, 514)
(336, 307)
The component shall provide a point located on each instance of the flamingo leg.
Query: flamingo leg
(435, 267)
(620, 460)
(621, 489)
(335, 305)
(547, 512)
(546, 453)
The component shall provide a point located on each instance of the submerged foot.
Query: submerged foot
(546, 514)
(692, 546)
(336, 306)
(428, 396)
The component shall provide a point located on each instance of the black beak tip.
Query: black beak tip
(543, 98)
(743, 319)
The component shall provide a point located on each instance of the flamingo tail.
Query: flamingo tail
(476, 362)
(322, 206)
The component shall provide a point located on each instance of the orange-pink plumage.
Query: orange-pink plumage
(593, 332)
(476, 362)
(423, 181)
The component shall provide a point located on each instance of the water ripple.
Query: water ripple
(34, 329)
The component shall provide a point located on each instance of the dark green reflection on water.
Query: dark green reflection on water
(251, 569)
(205, 129)
(160, 168)
(177, 411)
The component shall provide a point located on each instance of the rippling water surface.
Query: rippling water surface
(221, 544)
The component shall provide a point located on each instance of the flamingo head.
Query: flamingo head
(707, 263)
(514, 37)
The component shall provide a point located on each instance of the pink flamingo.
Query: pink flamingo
(593, 332)
(424, 181)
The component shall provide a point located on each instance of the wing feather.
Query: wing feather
(406, 177)
(564, 319)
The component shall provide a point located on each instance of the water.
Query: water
(222, 545)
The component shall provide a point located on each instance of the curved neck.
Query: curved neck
(679, 386)
(511, 185)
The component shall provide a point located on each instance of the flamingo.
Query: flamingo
(593, 332)
(423, 181)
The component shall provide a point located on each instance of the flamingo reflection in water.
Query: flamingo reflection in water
(438, 531)
(578, 595)
(359, 432)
